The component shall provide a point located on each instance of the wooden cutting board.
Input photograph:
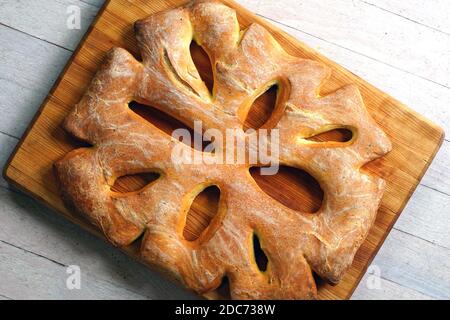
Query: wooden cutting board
(415, 139)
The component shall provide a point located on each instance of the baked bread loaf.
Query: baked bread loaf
(245, 63)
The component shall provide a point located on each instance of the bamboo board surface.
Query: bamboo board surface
(415, 139)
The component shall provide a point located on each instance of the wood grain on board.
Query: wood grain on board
(415, 139)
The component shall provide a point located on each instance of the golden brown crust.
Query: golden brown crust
(244, 64)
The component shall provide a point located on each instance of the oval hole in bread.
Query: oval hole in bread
(202, 211)
(292, 187)
(203, 64)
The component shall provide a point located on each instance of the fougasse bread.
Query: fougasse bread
(245, 63)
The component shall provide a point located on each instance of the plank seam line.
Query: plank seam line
(434, 189)
(396, 283)
(6, 297)
(404, 17)
(410, 288)
(35, 37)
(33, 253)
(9, 135)
(407, 287)
(423, 239)
(356, 52)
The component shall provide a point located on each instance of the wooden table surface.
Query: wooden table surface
(402, 47)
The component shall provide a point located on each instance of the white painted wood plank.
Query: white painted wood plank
(47, 20)
(416, 264)
(438, 175)
(3, 297)
(387, 290)
(28, 69)
(30, 226)
(427, 216)
(368, 31)
(432, 13)
(26, 276)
